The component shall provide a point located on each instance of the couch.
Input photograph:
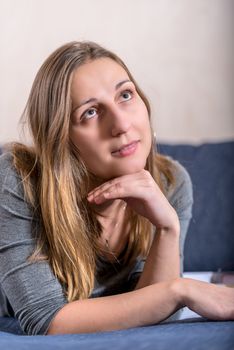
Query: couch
(209, 247)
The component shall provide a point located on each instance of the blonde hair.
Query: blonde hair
(55, 178)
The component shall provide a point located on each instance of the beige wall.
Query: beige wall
(180, 51)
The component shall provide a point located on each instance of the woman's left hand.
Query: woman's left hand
(142, 194)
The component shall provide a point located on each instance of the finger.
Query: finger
(131, 185)
(105, 185)
(104, 193)
(119, 189)
(101, 186)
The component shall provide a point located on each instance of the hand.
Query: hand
(142, 194)
(215, 302)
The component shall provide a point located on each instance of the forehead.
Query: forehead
(102, 73)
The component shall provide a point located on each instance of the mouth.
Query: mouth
(126, 150)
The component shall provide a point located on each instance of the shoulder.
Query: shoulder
(9, 177)
(180, 173)
(18, 217)
(6, 161)
(7, 167)
(182, 190)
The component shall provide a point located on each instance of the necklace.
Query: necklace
(113, 229)
(109, 251)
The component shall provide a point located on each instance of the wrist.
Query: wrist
(175, 226)
(172, 230)
(172, 227)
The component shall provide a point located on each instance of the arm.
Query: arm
(36, 296)
(141, 192)
(165, 258)
(31, 289)
(146, 306)
(163, 261)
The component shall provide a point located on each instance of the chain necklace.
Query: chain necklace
(107, 245)
(110, 252)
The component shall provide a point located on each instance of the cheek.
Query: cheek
(143, 120)
(142, 110)
(81, 141)
(146, 130)
(89, 148)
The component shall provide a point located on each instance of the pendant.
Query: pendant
(107, 243)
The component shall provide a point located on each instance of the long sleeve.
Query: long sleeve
(181, 198)
(31, 289)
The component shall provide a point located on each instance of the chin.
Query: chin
(130, 168)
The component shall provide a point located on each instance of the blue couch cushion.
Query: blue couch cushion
(193, 335)
(210, 241)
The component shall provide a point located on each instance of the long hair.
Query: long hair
(56, 180)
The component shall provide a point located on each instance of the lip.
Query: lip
(126, 150)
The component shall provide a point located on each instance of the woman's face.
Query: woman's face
(109, 123)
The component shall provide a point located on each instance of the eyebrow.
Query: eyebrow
(92, 99)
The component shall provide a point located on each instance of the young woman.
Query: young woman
(93, 219)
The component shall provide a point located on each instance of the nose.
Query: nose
(119, 121)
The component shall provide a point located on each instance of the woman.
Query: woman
(93, 221)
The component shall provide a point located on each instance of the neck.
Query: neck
(109, 208)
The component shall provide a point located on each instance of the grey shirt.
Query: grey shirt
(30, 291)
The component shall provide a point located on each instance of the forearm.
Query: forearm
(163, 261)
(146, 306)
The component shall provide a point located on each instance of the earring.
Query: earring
(154, 140)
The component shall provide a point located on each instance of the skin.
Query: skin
(160, 291)
(115, 115)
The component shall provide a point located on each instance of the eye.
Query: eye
(126, 95)
(89, 113)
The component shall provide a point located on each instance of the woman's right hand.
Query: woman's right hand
(215, 302)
